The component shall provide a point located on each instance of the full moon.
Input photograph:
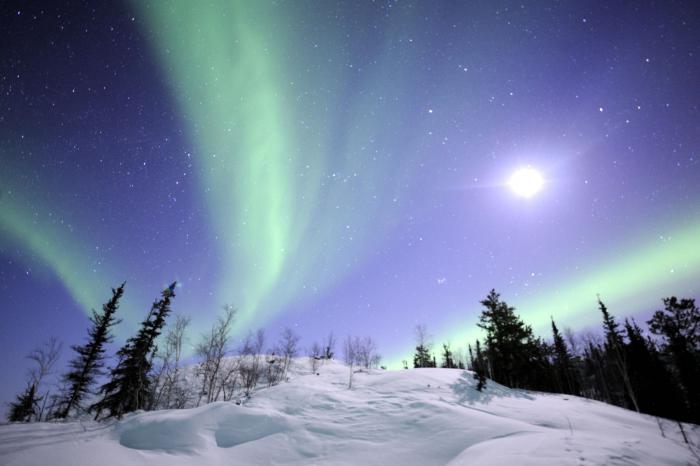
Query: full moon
(526, 182)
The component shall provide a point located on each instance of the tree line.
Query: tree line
(148, 372)
(654, 370)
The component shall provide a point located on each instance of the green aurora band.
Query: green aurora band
(48, 242)
(627, 286)
(52, 241)
(290, 220)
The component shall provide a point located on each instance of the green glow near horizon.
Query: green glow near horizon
(627, 286)
(287, 226)
(51, 240)
(50, 244)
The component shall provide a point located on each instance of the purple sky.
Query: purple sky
(335, 166)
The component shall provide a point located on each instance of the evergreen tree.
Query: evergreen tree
(537, 369)
(563, 366)
(512, 352)
(88, 364)
(422, 357)
(596, 385)
(479, 367)
(679, 325)
(652, 382)
(129, 387)
(447, 360)
(616, 352)
(613, 335)
(25, 407)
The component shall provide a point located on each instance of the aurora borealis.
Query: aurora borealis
(244, 117)
(344, 165)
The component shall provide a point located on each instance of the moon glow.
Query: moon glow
(526, 182)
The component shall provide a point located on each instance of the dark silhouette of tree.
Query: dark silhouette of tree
(616, 353)
(478, 366)
(679, 326)
(515, 358)
(595, 378)
(25, 407)
(656, 392)
(563, 367)
(447, 360)
(129, 387)
(624, 367)
(423, 356)
(89, 362)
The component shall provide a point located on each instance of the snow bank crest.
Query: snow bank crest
(192, 431)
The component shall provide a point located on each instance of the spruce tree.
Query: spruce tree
(679, 324)
(563, 366)
(538, 373)
(511, 349)
(613, 335)
(129, 387)
(422, 357)
(656, 392)
(25, 407)
(479, 367)
(616, 352)
(89, 362)
(447, 360)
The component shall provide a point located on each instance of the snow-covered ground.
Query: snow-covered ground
(408, 417)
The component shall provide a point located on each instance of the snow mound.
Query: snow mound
(408, 417)
(188, 431)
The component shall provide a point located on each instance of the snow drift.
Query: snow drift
(408, 417)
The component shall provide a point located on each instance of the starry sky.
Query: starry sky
(343, 165)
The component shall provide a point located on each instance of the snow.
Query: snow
(407, 417)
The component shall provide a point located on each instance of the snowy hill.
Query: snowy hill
(408, 417)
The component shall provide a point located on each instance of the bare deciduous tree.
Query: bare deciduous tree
(287, 348)
(366, 351)
(423, 338)
(360, 352)
(211, 350)
(315, 356)
(169, 389)
(44, 356)
(329, 346)
(229, 377)
(250, 360)
(275, 369)
(350, 355)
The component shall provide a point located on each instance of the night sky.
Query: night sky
(344, 165)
